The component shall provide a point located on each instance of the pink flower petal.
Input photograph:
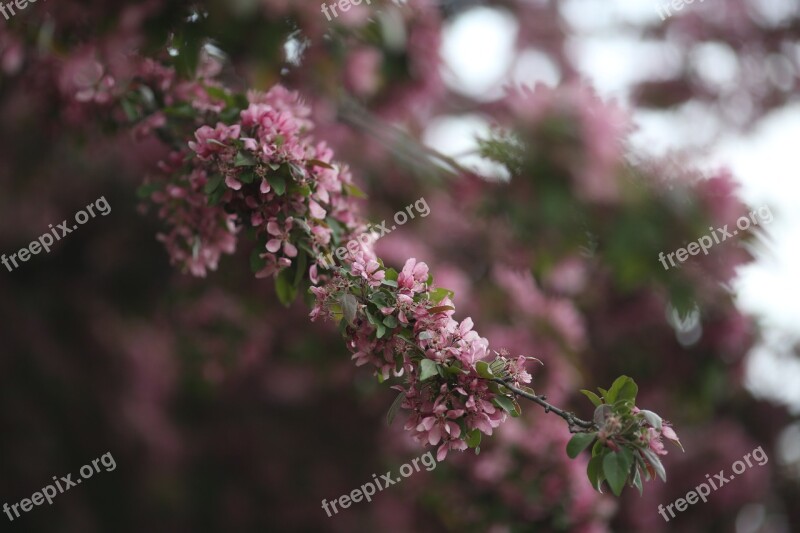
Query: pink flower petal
(233, 183)
(273, 229)
(441, 453)
(289, 249)
(274, 245)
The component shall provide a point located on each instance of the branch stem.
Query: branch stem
(576, 425)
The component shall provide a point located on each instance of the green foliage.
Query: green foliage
(473, 439)
(278, 183)
(594, 398)
(579, 442)
(427, 369)
(623, 388)
(507, 404)
(284, 287)
(616, 468)
(621, 452)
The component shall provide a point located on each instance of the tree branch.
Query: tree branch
(573, 421)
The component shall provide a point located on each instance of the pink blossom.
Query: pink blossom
(370, 271)
(273, 266)
(211, 140)
(413, 277)
(281, 237)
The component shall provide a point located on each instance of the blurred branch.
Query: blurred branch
(402, 145)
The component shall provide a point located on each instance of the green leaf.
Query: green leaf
(297, 172)
(218, 143)
(336, 228)
(179, 111)
(219, 94)
(623, 407)
(594, 471)
(390, 321)
(455, 368)
(427, 369)
(256, 261)
(301, 265)
(655, 462)
(594, 398)
(578, 443)
(349, 307)
(244, 160)
(353, 191)
(213, 184)
(380, 298)
(130, 110)
(482, 367)
(425, 335)
(394, 408)
(439, 294)
(188, 42)
(497, 366)
(247, 177)
(146, 190)
(616, 467)
(389, 282)
(391, 274)
(623, 388)
(473, 439)
(278, 183)
(303, 190)
(652, 418)
(371, 317)
(441, 309)
(527, 389)
(637, 481)
(505, 403)
(598, 448)
(215, 197)
(601, 412)
(284, 287)
(323, 164)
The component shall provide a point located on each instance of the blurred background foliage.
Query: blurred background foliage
(226, 412)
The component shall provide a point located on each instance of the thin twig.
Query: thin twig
(573, 421)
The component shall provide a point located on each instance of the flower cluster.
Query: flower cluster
(264, 172)
(402, 326)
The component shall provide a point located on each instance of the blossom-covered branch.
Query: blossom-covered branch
(249, 164)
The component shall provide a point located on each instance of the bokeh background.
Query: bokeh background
(226, 412)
